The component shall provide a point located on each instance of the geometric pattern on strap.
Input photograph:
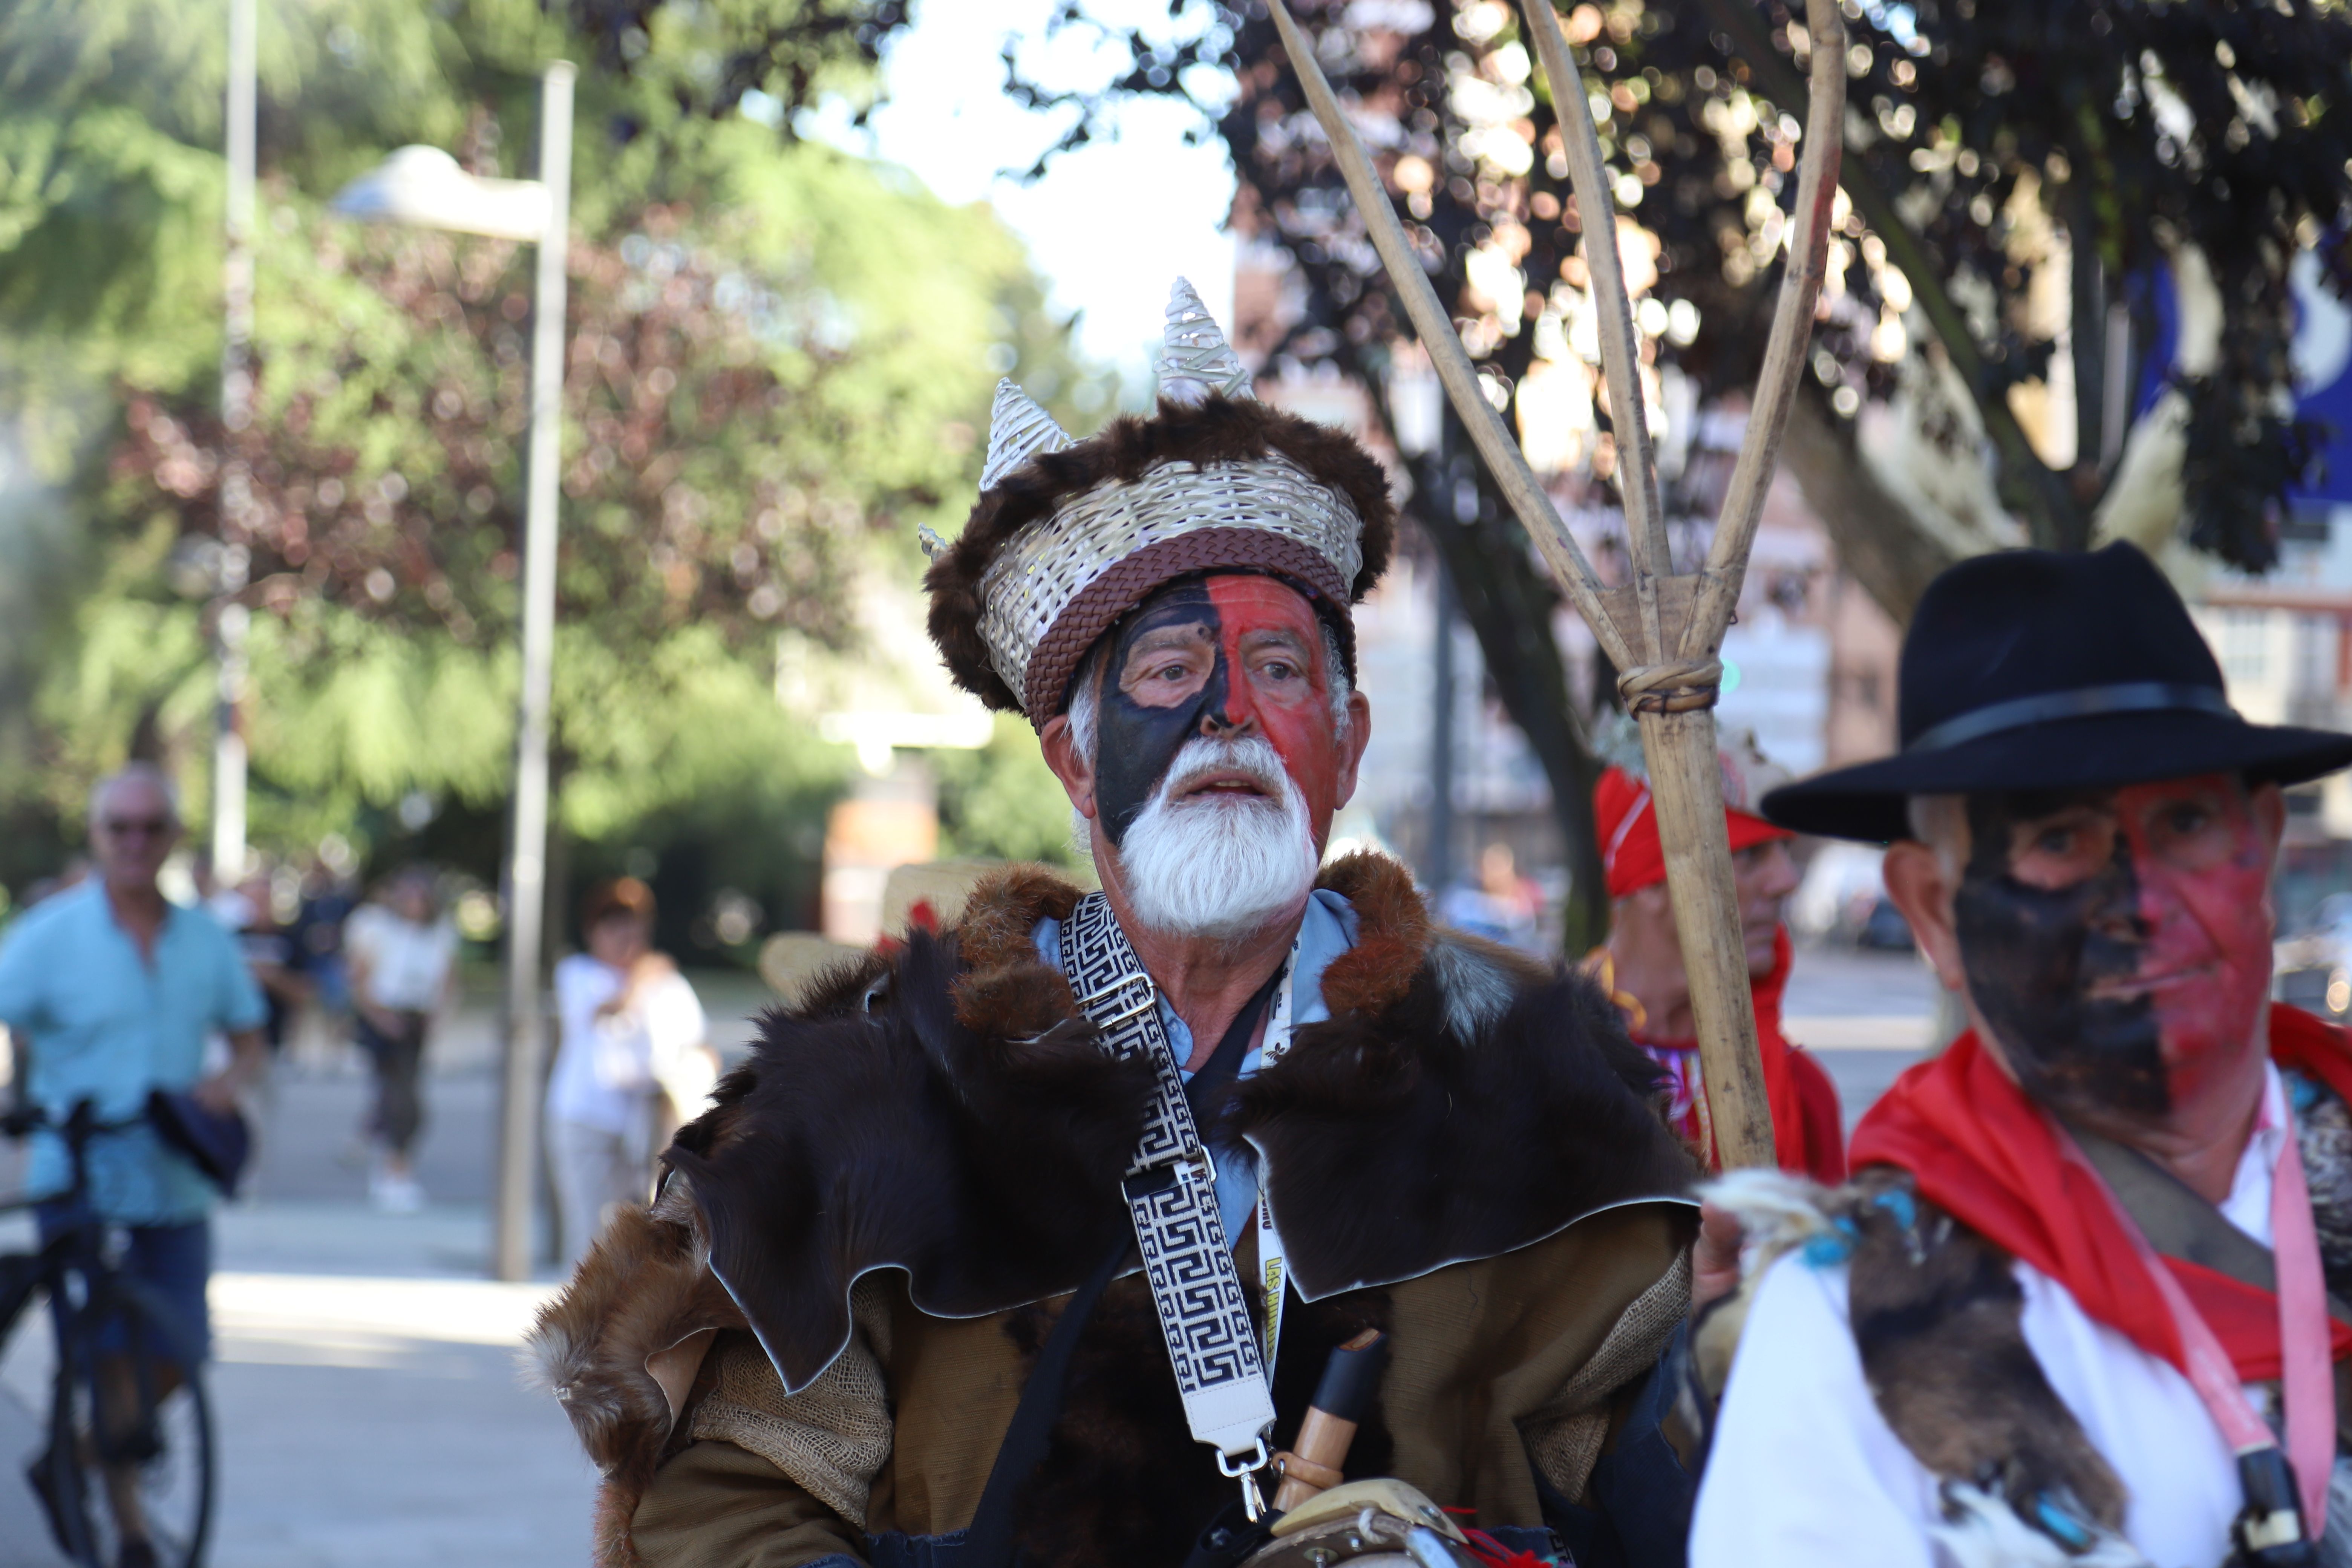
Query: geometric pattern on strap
(1171, 1194)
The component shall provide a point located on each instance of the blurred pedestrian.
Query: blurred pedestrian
(109, 991)
(1502, 906)
(73, 874)
(279, 964)
(630, 1024)
(1640, 964)
(317, 933)
(402, 954)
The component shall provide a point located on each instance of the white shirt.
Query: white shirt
(407, 964)
(1805, 1473)
(606, 1069)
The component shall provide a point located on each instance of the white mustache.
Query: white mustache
(1220, 866)
(1252, 757)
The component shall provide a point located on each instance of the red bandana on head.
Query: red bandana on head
(1625, 821)
(1808, 1132)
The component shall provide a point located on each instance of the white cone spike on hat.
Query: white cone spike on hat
(1017, 431)
(1196, 360)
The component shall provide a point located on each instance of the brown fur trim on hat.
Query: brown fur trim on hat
(1219, 430)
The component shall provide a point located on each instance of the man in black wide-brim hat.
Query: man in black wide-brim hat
(2077, 1300)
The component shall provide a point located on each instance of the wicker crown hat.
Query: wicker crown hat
(1069, 536)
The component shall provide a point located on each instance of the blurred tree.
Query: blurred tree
(1002, 802)
(2016, 178)
(780, 360)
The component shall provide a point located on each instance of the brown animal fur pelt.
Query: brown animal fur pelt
(1531, 1101)
(985, 1165)
(1392, 934)
(1219, 430)
(1935, 1313)
(1123, 1481)
(944, 1110)
(641, 1288)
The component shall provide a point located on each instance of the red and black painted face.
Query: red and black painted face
(2118, 942)
(1223, 657)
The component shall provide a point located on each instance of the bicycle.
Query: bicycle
(129, 1427)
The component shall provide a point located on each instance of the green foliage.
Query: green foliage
(1002, 802)
(778, 363)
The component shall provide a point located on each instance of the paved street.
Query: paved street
(369, 1406)
(370, 1409)
(366, 1394)
(1865, 1015)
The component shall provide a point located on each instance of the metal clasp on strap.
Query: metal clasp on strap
(1145, 1180)
(1244, 1467)
(1151, 998)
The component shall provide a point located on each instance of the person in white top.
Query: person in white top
(402, 957)
(631, 1055)
(2074, 1308)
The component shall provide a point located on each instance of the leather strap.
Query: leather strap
(988, 1540)
(1225, 1062)
(2179, 1223)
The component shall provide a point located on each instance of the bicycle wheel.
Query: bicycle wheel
(130, 1436)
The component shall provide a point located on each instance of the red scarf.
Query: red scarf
(1981, 1149)
(1808, 1129)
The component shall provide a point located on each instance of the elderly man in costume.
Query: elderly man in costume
(1030, 1241)
(1640, 964)
(2076, 1307)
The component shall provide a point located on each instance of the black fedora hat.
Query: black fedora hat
(2028, 669)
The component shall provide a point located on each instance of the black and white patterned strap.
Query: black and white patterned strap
(1171, 1194)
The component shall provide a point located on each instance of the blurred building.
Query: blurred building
(891, 703)
(2285, 643)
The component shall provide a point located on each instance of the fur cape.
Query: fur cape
(1217, 430)
(944, 1110)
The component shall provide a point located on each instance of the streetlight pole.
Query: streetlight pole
(230, 618)
(527, 863)
(425, 187)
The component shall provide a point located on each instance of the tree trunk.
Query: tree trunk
(1508, 602)
(1877, 539)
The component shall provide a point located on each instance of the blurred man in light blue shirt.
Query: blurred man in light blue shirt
(109, 991)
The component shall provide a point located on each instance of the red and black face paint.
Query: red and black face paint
(1221, 656)
(2117, 942)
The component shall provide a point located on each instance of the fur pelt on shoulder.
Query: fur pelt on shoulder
(1216, 430)
(1936, 1315)
(984, 1162)
(945, 1111)
(1469, 1118)
(644, 1287)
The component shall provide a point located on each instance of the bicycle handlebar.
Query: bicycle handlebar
(22, 1121)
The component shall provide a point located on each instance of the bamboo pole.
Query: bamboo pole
(1434, 325)
(1662, 630)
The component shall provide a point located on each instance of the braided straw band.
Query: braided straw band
(1101, 603)
(1681, 687)
(1273, 518)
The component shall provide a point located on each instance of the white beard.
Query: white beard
(1220, 866)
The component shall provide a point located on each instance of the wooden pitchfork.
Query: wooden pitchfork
(1664, 630)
